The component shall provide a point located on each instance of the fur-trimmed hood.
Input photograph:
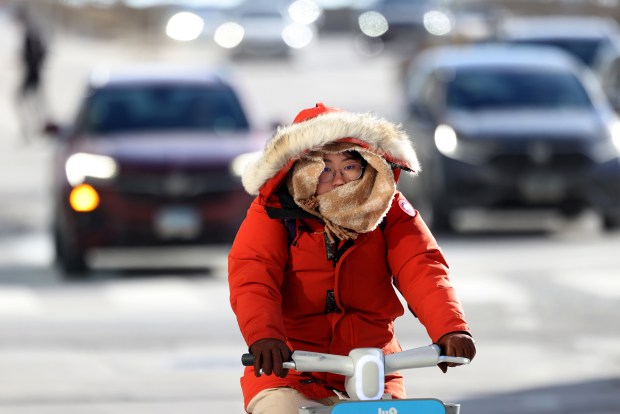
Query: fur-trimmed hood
(330, 125)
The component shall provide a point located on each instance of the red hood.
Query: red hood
(378, 135)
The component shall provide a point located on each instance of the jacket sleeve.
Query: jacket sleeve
(256, 265)
(421, 271)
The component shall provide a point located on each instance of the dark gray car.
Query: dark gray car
(505, 127)
(593, 40)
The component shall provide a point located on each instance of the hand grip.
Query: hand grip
(247, 360)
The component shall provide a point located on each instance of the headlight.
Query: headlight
(614, 130)
(297, 36)
(373, 24)
(304, 11)
(607, 149)
(229, 35)
(240, 162)
(185, 26)
(446, 140)
(82, 165)
(437, 23)
(471, 151)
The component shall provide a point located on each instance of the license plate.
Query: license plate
(542, 188)
(177, 222)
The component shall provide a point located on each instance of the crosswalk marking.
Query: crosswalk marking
(19, 301)
(32, 249)
(159, 295)
(488, 289)
(165, 298)
(600, 284)
(209, 296)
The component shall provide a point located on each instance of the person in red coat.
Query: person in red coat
(325, 244)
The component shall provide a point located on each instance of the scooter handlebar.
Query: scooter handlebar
(312, 361)
(364, 369)
(425, 356)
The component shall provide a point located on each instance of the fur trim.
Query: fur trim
(355, 207)
(382, 137)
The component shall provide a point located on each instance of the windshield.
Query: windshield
(585, 50)
(492, 88)
(163, 107)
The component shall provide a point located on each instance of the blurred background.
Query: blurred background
(125, 124)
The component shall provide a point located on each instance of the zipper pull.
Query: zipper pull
(329, 247)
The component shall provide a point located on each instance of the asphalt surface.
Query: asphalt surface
(543, 305)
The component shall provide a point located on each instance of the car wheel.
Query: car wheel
(70, 258)
(611, 221)
(441, 219)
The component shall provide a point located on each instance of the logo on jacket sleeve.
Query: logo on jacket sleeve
(406, 207)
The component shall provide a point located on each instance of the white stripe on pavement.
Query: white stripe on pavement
(18, 301)
(600, 284)
(158, 295)
(500, 292)
(32, 249)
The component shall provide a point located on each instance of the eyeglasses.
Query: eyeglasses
(349, 172)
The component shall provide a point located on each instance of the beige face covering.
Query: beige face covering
(352, 208)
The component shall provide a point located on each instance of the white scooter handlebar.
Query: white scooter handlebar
(365, 368)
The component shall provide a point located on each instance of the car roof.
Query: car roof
(573, 27)
(500, 55)
(155, 74)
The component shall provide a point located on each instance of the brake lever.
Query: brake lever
(453, 360)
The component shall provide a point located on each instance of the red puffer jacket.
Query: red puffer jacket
(292, 291)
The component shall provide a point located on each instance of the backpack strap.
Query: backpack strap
(290, 224)
(383, 224)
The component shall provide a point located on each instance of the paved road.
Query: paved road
(542, 308)
(543, 305)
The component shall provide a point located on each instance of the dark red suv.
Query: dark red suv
(153, 158)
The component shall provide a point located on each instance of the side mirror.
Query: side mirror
(614, 101)
(51, 128)
(414, 108)
(57, 131)
(419, 111)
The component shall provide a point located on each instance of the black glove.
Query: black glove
(269, 354)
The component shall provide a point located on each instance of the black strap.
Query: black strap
(335, 250)
(291, 229)
(288, 213)
(329, 247)
(383, 224)
(330, 303)
(289, 209)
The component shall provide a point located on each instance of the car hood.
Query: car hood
(172, 148)
(584, 124)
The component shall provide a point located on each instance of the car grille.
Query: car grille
(177, 185)
(564, 156)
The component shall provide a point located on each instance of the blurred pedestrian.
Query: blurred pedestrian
(325, 245)
(33, 54)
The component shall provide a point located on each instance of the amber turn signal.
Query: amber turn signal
(84, 198)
